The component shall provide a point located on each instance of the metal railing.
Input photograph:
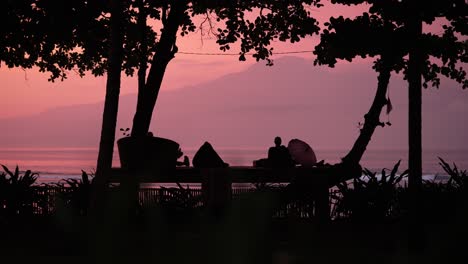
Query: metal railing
(47, 198)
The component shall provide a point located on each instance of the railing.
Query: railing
(217, 189)
(47, 198)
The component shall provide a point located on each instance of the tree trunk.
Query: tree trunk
(143, 51)
(371, 119)
(165, 51)
(349, 167)
(415, 107)
(111, 103)
(416, 232)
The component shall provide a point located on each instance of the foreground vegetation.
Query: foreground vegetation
(370, 223)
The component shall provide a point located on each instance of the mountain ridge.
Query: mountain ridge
(292, 99)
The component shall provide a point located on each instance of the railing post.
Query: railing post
(216, 188)
(322, 200)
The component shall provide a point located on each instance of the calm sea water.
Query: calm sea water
(54, 164)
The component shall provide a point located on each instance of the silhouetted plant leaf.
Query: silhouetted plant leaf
(395, 169)
(383, 177)
(84, 177)
(399, 178)
(8, 171)
(458, 178)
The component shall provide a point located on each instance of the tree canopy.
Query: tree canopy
(392, 31)
(54, 36)
(383, 31)
(275, 20)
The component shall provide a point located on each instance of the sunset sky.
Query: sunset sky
(27, 93)
(88, 173)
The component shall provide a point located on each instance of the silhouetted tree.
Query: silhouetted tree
(156, 46)
(111, 102)
(410, 50)
(275, 20)
(385, 32)
(63, 36)
(364, 36)
(60, 36)
(419, 12)
(45, 34)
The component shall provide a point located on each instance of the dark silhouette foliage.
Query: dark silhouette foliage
(17, 194)
(369, 198)
(385, 32)
(276, 20)
(75, 193)
(458, 178)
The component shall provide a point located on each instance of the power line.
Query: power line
(237, 54)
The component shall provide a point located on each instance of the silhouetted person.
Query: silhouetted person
(278, 156)
(206, 157)
(185, 163)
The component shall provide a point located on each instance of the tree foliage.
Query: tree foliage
(391, 31)
(383, 30)
(276, 20)
(47, 34)
(60, 36)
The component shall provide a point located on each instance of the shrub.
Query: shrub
(369, 197)
(439, 201)
(75, 193)
(180, 198)
(17, 193)
(458, 178)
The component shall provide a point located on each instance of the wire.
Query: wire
(237, 54)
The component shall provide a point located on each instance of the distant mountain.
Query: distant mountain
(292, 99)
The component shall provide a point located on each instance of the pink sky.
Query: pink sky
(27, 92)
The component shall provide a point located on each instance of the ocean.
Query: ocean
(54, 164)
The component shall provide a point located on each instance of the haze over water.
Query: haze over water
(241, 113)
(54, 164)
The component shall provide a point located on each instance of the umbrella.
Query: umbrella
(302, 153)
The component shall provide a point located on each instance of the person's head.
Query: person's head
(277, 141)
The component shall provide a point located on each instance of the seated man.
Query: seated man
(278, 156)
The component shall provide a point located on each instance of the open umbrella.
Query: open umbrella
(301, 152)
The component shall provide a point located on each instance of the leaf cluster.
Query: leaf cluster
(63, 36)
(17, 193)
(401, 11)
(364, 36)
(369, 197)
(383, 31)
(458, 178)
(179, 198)
(76, 193)
(45, 33)
(276, 21)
